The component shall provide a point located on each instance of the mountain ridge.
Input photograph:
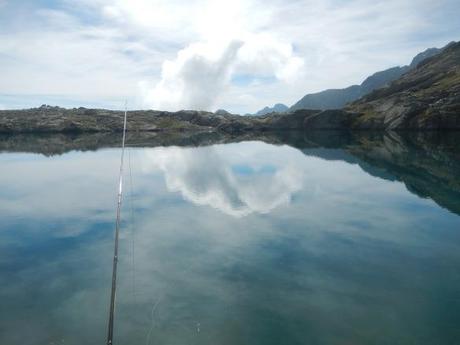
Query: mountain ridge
(277, 108)
(426, 97)
(338, 98)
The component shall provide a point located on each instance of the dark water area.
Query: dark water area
(274, 238)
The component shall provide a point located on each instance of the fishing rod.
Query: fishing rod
(117, 232)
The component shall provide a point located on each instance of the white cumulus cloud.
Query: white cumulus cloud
(202, 71)
(194, 79)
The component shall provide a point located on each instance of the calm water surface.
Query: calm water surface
(242, 243)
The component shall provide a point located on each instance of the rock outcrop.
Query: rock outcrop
(48, 119)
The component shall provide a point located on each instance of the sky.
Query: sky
(236, 55)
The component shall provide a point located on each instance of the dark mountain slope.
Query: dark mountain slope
(427, 97)
(338, 98)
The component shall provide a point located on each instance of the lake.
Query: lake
(275, 238)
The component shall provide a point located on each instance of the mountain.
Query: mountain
(277, 108)
(221, 112)
(426, 54)
(426, 97)
(338, 98)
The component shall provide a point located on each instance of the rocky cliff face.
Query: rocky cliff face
(338, 98)
(427, 97)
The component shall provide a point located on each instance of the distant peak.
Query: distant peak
(221, 112)
(277, 108)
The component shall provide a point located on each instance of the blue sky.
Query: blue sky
(239, 55)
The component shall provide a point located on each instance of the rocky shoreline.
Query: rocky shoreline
(59, 120)
(47, 119)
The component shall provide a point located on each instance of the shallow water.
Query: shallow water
(291, 240)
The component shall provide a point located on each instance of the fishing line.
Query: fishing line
(117, 234)
(133, 267)
(152, 320)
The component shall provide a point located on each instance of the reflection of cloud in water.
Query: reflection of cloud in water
(328, 251)
(206, 176)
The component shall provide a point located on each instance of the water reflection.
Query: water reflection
(318, 239)
(235, 184)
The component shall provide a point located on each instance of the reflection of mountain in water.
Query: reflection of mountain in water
(429, 167)
(345, 156)
(427, 163)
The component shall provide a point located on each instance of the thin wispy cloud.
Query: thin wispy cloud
(238, 55)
